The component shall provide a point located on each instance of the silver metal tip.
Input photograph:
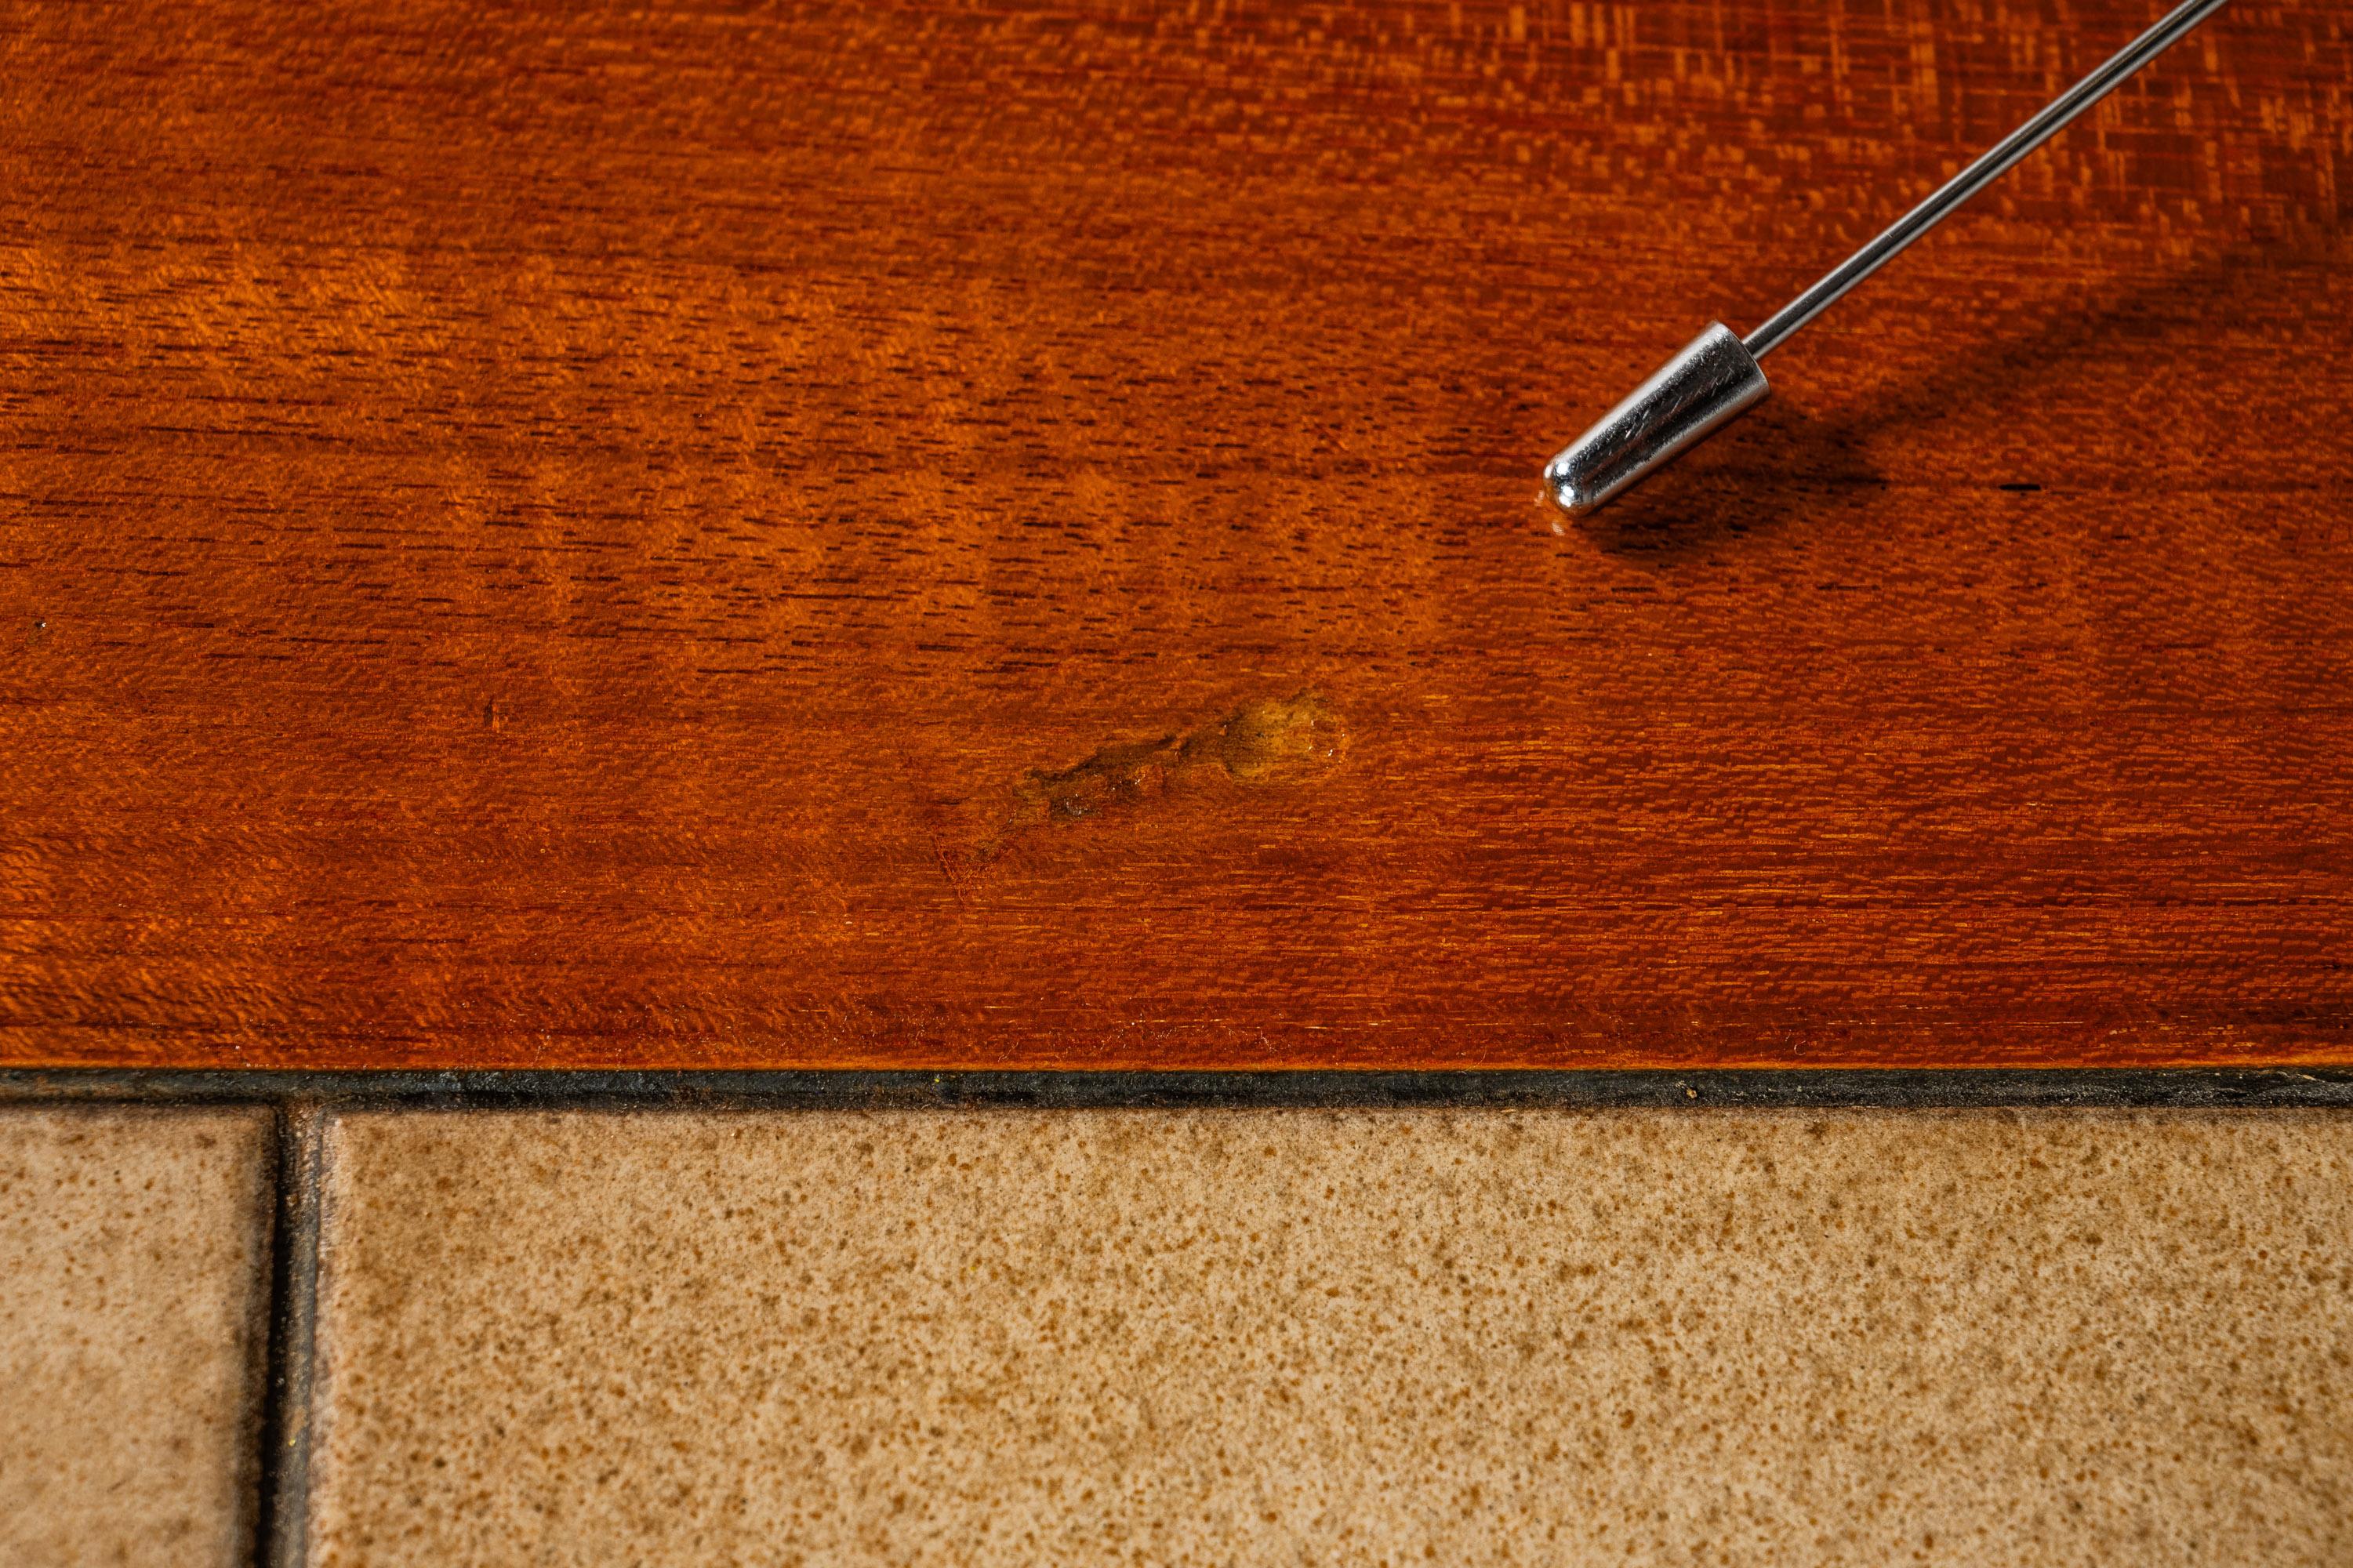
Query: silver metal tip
(1693, 396)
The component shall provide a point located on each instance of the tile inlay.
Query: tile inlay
(1242, 1337)
(134, 1248)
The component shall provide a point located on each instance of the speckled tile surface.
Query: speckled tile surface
(1279, 1337)
(133, 1281)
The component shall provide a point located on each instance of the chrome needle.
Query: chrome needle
(1717, 377)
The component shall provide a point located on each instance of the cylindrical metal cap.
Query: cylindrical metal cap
(1691, 395)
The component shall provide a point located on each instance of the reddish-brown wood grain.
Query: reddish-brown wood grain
(981, 535)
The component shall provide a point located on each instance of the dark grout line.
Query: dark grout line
(281, 1538)
(1785, 1088)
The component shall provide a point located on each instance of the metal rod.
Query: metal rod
(1978, 176)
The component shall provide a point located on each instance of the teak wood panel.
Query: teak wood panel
(960, 536)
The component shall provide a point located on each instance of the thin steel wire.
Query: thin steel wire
(1978, 176)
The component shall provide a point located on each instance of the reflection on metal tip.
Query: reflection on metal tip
(1693, 396)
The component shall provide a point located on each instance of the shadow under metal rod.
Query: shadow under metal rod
(1717, 377)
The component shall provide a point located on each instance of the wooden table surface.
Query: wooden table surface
(967, 536)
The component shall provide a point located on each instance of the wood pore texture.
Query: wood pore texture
(995, 536)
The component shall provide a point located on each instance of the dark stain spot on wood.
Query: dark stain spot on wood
(1275, 741)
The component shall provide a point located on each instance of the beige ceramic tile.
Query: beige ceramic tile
(133, 1281)
(1285, 1338)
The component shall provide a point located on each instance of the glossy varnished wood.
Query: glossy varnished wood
(955, 536)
